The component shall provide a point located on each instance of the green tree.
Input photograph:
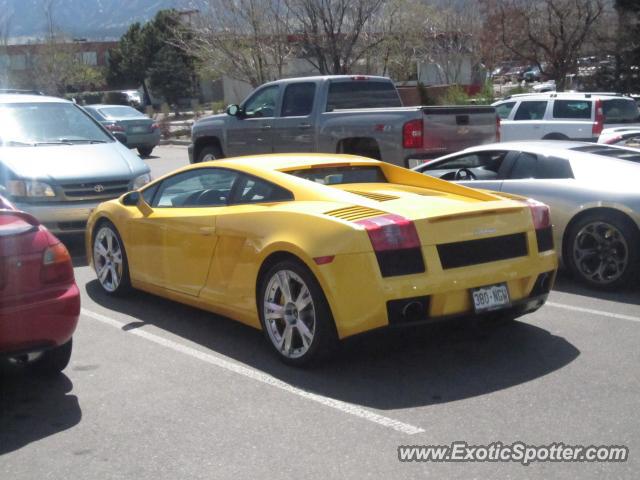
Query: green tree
(147, 55)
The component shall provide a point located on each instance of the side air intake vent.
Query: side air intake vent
(378, 197)
(354, 213)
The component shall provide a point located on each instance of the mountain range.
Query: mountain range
(93, 19)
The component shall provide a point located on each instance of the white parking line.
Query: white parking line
(259, 376)
(594, 312)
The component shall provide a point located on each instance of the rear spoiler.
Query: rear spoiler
(27, 217)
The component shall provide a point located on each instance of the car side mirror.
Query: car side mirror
(131, 199)
(234, 110)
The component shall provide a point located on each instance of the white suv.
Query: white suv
(563, 116)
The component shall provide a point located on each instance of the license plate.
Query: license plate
(139, 129)
(492, 297)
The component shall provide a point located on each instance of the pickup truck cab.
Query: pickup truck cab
(563, 115)
(361, 115)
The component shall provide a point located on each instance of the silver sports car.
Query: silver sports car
(593, 191)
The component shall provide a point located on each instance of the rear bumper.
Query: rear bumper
(61, 217)
(135, 140)
(37, 325)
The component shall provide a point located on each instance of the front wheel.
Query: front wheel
(295, 315)
(602, 250)
(110, 260)
(209, 154)
(145, 151)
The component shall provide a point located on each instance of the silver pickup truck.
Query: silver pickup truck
(361, 115)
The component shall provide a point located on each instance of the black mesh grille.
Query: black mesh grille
(544, 236)
(473, 252)
(400, 262)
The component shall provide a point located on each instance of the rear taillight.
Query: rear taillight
(539, 213)
(391, 232)
(497, 128)
(396, 244)
(612, 140)
(412, 134)
(598, 124)
(154, 126)
(115, 128)
(56, 265)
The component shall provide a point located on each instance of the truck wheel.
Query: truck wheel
(210, 153)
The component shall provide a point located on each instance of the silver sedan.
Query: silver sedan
(592, 189)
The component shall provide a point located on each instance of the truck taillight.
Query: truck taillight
(539, 214)
(56, 265)
(598, 124)
(497, 128)
(412, 134)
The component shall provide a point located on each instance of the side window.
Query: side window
(504, 109)
(553, 167)
(620, 110)
(490, 161)
(262, 103)
(203, 187)
(580, 109)
(94, 114)
(254, 190)
(531, 110)
(525, 166)
(298, 100)
(149, 192)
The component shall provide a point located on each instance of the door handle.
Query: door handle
(304, 126)
(206, 231)
(265, 127)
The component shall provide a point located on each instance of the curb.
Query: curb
(175, 142)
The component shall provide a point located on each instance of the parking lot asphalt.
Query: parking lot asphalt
(158, 390)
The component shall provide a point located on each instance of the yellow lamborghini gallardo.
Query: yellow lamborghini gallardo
(314, 248)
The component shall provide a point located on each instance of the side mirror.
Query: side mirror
(131, 199)
(233, 110)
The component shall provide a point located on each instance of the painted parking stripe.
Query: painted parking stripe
(259, 376)
(593, 312)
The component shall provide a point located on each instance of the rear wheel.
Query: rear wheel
(602, 250)
(110, 260)
(295, 315)
(54, 360)
(209, 153)
(145, 151)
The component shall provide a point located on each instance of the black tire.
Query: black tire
(55, 360)
(123, 285)
(209, 153)
(145, 151)
(599, 264)
(325, 338)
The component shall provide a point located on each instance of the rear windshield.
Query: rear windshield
(362, 94)
(121, 112)
(619, 110)
(342, 175)
(619, 153)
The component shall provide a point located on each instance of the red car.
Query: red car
(39, 298)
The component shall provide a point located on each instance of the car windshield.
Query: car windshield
(341, 175)
(30, 124)
(121, 112)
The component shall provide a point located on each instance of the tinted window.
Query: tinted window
(341, 175)
(204, 187)
(524, 167)
(149, 192)
(531, 111)
(553, 167)
(255, 190)
(262, 103)
(298, 99)
(362, 94)
(504, 109)
(620, 110)
(572, 109)
(48, 123)
(487, 160)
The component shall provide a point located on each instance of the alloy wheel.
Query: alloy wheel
(107, 259)
(289, 314)
(600, 252)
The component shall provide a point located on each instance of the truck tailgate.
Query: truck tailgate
(449, 129)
